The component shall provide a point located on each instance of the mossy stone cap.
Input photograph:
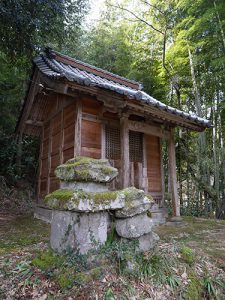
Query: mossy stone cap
(80, 201)
(137, 202)
(86, 169)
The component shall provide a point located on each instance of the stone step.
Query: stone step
(43, 214)
(159, 216)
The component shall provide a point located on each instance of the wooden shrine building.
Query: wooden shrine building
(78, 109)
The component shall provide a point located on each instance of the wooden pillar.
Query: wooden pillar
(40, 165)
(61, 137)
(162, 175)
(145, 165)
(125, 160)
(77, 134)
(49, 155)
(173, 176)
(103, 150)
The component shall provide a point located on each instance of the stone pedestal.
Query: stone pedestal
(83, 204)
(79, 232)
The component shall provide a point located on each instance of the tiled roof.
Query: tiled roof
(56, 66)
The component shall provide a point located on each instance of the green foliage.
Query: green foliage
(108, 294)
(22, 232)
(187, 255)
(26, 25)
(25, 28)
(212, 286)
(176, 51)
(47, 260)
(195, 288)
(111, 236)
(65, 281)
(159, 267)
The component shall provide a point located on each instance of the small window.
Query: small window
(112, 142)
(136, 146)
(113, 148)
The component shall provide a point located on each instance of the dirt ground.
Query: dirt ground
(24, 241)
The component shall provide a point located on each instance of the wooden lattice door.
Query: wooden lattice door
(113, 153)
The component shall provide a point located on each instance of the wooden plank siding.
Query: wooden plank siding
(69, 119)
(91, 130)
(153, 157)
(59, 132)
(61, 141)
(57, 142)
(91, 139)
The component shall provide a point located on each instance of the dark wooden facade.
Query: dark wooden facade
(78, 109)
(81, 127)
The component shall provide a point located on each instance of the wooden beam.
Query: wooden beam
(34, 123)
(77, 133)
(54, 85)
(125, 160)
(33, 91)
(173, 176)
(166, 117)
(148, 129)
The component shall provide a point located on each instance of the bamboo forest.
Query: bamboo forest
(112, 149)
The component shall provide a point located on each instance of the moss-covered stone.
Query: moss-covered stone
(81, 201)
(86, 169)
(136, 202)
(58, 199)
(127, 202)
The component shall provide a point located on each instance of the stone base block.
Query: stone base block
(43, 214)
(147, 241)
(78, 231)
(84, 186)
(144, 243)
(134, 227)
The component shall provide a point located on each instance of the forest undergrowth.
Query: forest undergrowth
(188, 263)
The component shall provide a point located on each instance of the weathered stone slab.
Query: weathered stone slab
(43, 214)
(143, 243)
(147, 241)
(94, 202)
(86, 169)
(78, 232)
(81, 201)
(136, 202)
(84, 186)
(134, 227)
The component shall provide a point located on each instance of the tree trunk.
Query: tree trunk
(19, 154)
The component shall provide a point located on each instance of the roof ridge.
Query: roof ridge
(92, 69)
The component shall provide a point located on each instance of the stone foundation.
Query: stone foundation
(80, 232)
(83, 206)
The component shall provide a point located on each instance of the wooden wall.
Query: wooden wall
(57, 140)
(59, 137)
(153, 157)
(59, 143)
(91, 128)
